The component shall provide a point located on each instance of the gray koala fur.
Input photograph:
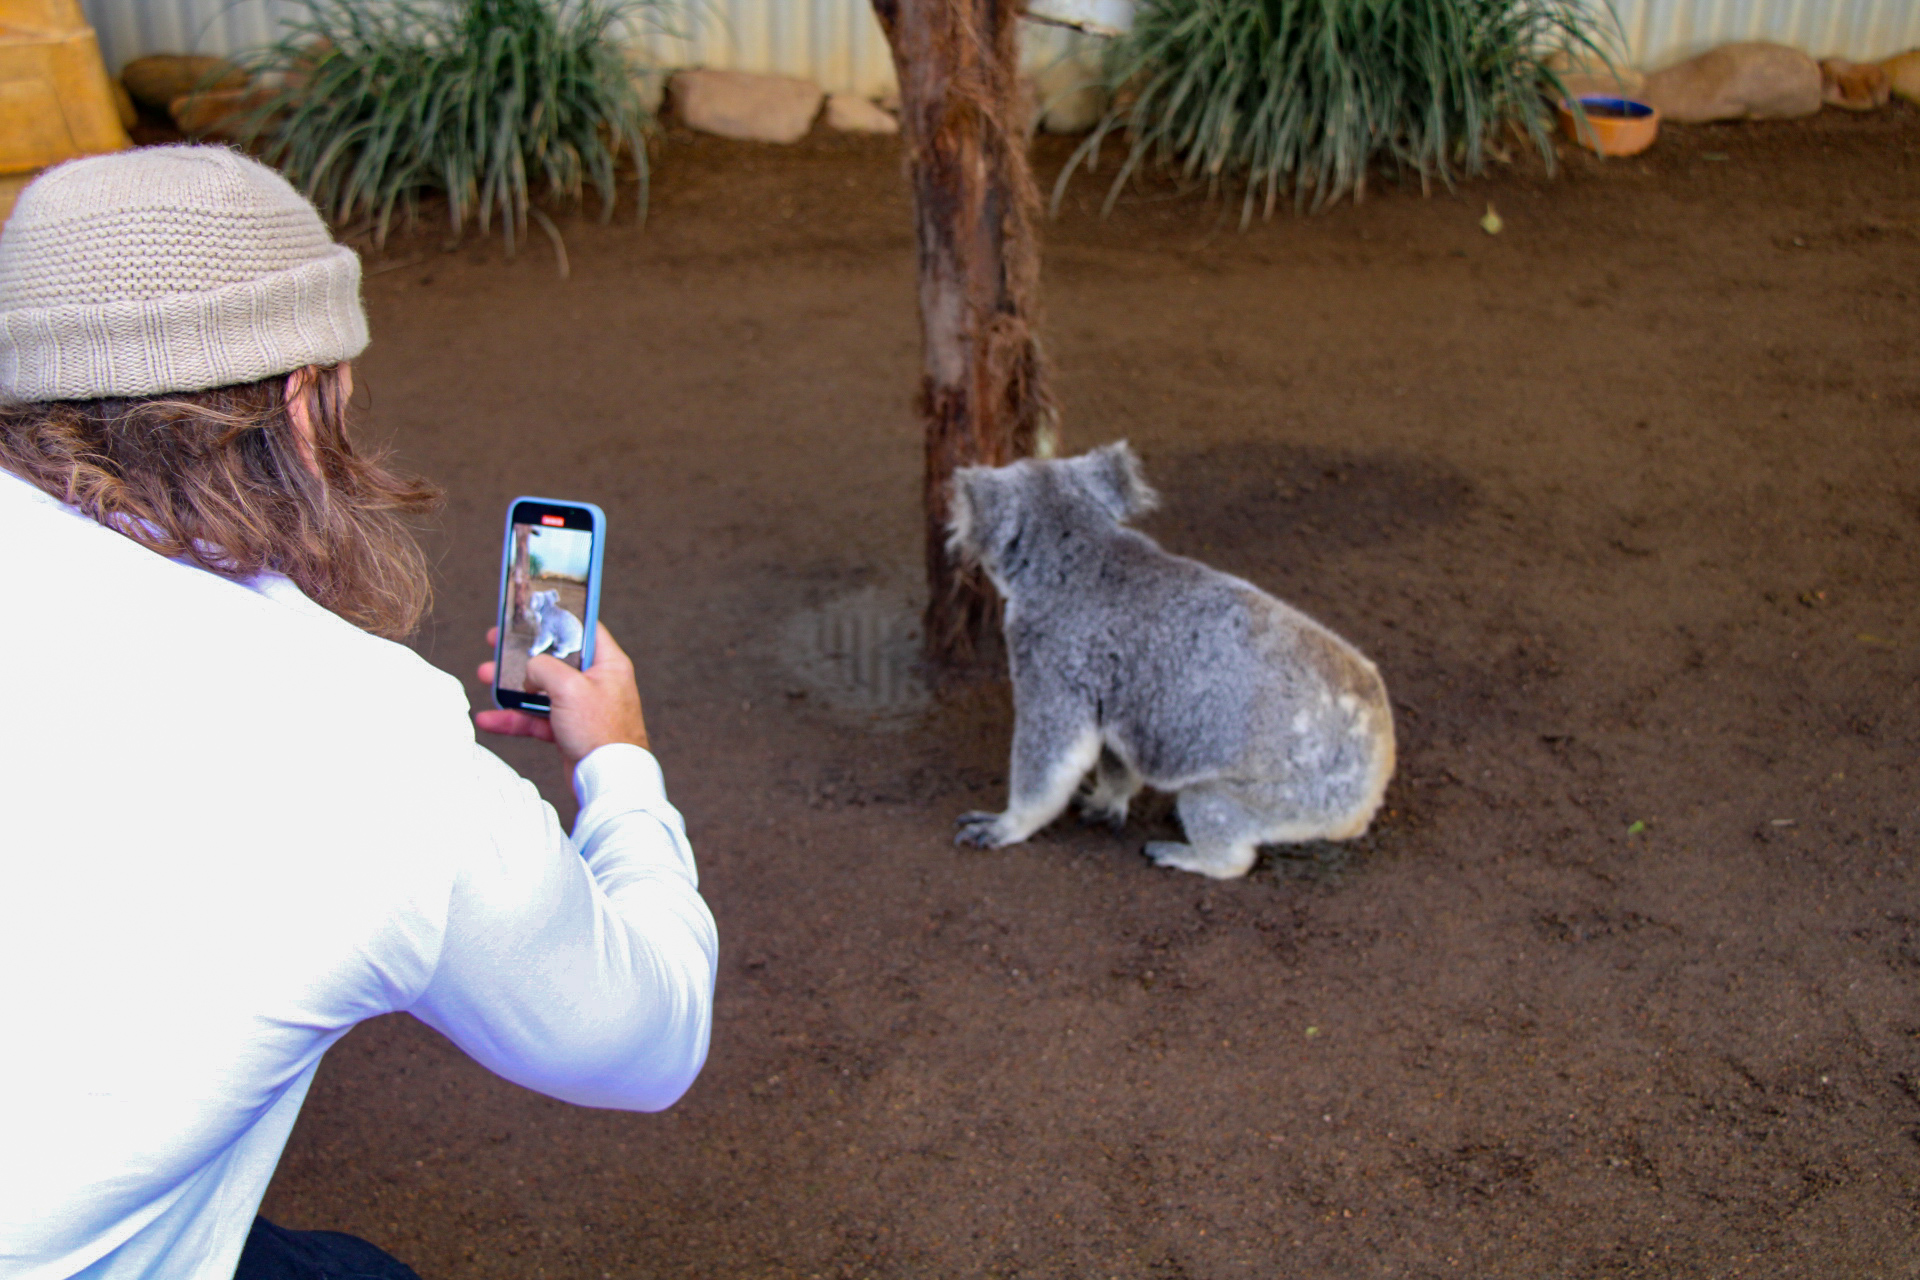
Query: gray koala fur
(1147, 668)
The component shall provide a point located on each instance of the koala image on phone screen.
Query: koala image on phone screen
(559, 631)
(1140, 667)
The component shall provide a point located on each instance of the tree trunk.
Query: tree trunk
(983, 394)
(522, 584)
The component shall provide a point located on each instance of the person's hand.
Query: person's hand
(591, 708)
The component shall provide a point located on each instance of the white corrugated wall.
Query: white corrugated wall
(838, 43)
(130, 28)
(1663, 31)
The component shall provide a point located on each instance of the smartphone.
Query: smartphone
(549, 593)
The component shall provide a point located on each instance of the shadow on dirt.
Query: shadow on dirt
(1248, 493)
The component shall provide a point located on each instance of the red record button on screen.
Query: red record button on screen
(558, 521)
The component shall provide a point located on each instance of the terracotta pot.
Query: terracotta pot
(1614, 127)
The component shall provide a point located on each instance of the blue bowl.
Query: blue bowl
(1614, 126)
(1595, 104)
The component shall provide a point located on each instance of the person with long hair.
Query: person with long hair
(236, 816)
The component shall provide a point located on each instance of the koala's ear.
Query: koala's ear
(1112, 475)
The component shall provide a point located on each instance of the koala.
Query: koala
(559, 630)
(1140, 667)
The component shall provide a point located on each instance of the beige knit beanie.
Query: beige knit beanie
(168, 269)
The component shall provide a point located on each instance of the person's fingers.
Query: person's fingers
(590, 709)
(547, 674)
(486, 668)
(514, 724)
(607, 650)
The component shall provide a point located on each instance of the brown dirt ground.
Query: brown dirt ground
(1626, 504)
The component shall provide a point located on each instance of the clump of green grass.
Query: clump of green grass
(487, 102)
(1307, 97)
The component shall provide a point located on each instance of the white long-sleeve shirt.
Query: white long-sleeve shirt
(232, 826)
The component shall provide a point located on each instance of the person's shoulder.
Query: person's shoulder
(136, 613)
(280, 606)
(364, 669)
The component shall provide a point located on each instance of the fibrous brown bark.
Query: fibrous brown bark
(521, 582)
(983, 395)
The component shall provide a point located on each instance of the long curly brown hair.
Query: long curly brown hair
(220, 478)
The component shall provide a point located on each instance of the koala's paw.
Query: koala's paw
(1098, 813)
(1170, 853)
(981, 830)
(1229, 865)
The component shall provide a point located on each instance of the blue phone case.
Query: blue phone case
(589, 624)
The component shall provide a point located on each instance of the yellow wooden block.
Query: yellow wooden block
(55, 99)
(10, 188)
(43, 17)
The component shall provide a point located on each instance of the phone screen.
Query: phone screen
(547, 594)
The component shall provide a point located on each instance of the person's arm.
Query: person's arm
(583, 969)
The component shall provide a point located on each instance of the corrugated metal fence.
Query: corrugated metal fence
(1663, 31)
(838, 44)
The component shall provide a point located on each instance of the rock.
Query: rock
(123, 103)
(1072, 95)
(1903, 75)
(1752, 80)
(1853, 86)
(1026, 105)
(740, 104)
(155, 81)
(851, 114)
(1627, 83)
(1584, 74)
(1066, 97)
(307, 61)
(650, 85)
(220, 113)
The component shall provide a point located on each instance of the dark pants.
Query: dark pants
(275, 1253)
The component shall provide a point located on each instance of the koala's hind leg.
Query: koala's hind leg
(1223, 834)
(1050, 756)
(1113, 788)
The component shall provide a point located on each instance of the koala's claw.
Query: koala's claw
(979, 829)
(1169, 853)
(1229, 864)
